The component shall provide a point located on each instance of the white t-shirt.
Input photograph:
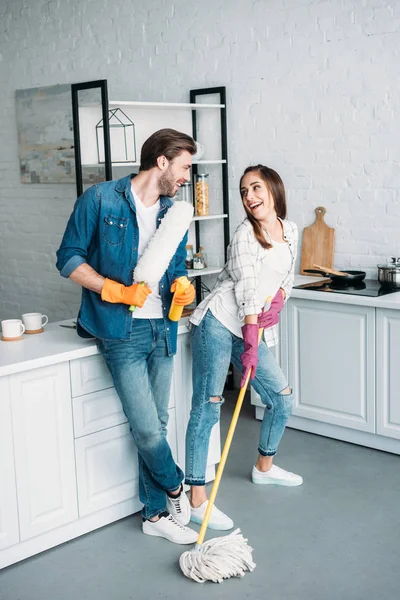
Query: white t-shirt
(274, 269)
(147, 222)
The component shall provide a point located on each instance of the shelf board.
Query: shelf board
(209, 217)
(137, 164)
(163, 104)
(206, 271)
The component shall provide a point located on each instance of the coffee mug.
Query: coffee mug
(34, 321)
(12, 328)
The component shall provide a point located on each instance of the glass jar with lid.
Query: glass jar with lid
(186, 192)
(201, 194)
(189, 256)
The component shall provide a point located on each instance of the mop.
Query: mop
(228, 556)
(155, 259)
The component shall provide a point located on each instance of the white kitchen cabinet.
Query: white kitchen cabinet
(97, 411)
(107, 467)
(9, 530)
(44, 449)
(331, 362)
(64, 437)
(388, 372)
(89, 374)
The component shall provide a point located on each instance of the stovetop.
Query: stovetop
(368, 287)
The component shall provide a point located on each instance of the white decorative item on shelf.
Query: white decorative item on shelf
(199, 152)
(122, 137)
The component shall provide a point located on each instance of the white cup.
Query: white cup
(34, 321)
(12, 328)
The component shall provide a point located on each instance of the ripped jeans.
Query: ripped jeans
(213, 348)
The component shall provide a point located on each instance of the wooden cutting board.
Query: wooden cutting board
(318, 244)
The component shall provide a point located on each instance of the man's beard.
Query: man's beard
(166, 185)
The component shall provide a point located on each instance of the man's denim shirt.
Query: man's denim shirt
(103, 232)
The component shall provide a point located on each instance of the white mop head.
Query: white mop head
(218, 559)
(164, 243)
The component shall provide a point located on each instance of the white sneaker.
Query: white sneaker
(218, 519)
(167, 527)
(179, 508)
(276, 476)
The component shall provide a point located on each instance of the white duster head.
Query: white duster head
(164, 243)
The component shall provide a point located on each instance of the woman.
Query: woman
(260, 266)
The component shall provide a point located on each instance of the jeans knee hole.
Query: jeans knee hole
(218, 400)
(286, 392)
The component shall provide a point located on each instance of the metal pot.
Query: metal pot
(389, 274)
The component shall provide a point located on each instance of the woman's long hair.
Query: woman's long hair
(275, 185)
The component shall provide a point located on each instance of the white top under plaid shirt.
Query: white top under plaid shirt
(241, 272)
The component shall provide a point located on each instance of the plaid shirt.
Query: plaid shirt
(241, 274)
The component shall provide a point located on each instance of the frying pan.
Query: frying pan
(346, 277)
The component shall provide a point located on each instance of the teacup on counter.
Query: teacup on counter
(34, 322)
(12, 330)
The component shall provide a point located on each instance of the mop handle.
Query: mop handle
(224, 455)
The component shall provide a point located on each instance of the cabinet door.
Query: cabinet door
(388, 373)
(107, 466)
(106, 469)
(97, 411)
(331, 352)
(44, 449)
(89, 374)
(9, 531)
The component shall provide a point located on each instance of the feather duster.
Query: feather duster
(164, 243)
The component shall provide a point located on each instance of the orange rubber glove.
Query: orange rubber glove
(186, 298)
(115, 292)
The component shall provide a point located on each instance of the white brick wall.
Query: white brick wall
(313, 91)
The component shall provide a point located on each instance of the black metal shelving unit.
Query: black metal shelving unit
(75, 89)
(194, 94)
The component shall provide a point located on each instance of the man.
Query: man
(108, 231)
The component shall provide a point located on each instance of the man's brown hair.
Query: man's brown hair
(165, 142)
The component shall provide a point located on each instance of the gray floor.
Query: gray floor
(335, 538)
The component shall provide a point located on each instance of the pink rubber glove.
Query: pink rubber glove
(249, 358)
(270, 317)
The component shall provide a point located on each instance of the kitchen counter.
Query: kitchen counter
(340, 354)
(391, 301)
(55, 345)
(68, 463)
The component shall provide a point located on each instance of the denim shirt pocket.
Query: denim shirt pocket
(114, 230)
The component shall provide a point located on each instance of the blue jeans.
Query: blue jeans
(142, 371)
(213, 348)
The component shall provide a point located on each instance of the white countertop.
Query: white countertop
(58, 344)
(388, 301)
(55, 345)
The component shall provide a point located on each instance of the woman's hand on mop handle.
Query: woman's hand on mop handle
(118, 293)
(252, 333)
(269, 315)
